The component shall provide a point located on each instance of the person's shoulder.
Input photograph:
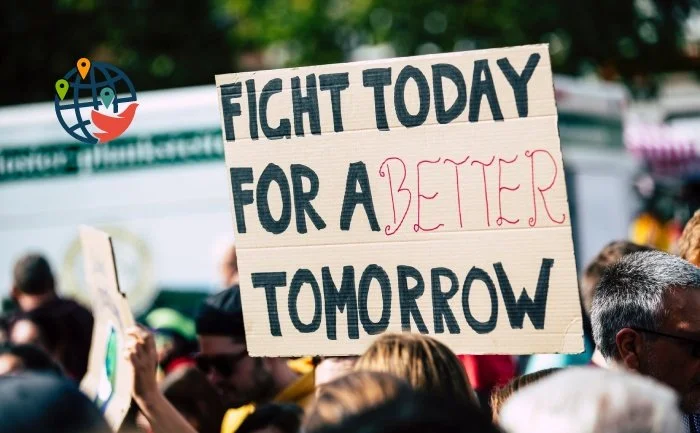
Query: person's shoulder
(300, 392)
(72, 305)
(62, 308)
(11, 317)
(303, 365)
(235, 417)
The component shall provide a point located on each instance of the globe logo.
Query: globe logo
(95, 102)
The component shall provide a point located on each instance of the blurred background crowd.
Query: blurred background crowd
(639, 372)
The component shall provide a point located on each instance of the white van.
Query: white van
(162, 189)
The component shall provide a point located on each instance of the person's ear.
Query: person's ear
(629, 348)
(14, 293)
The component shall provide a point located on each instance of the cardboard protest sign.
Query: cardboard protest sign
(110, 376)
(421, 194)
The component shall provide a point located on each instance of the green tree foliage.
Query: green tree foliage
(159, 44)
(164, 44)
(621, 37)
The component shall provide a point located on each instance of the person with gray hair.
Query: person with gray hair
(592, 400)
(646, 318)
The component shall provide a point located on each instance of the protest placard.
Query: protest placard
(110, 376)
(421, 194)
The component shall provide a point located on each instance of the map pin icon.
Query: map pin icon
(107, 96)
(62, 88)
(83, 67)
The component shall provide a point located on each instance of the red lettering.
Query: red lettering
(417, 227)
(501, 218)
(532, 221)
(388, 230)
(486, 193)
(459, 200)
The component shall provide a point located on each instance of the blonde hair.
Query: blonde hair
(425, 363)
(351, 394)
(689, 243)
(500, 395)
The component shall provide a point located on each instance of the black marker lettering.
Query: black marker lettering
(408, 297)
(305, 104)
(481, 275)
(378, 78)
(453, 74)
(535, 308)
(241, 197)
(441, 309)
(273, 173)
(284, 130)
(481, 87)
(270, 281)
(336, 83)
(374, 272)
(357, 175)
(344, 299)
(252, 109)
(301, 277)
(230, 108)
(519, 81)
(407, 119)
(302, 200)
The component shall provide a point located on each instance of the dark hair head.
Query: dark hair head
(33, 359)
(63, 328)
(414, 412)
(500, 395)
(631, 294)
(189, 391)
(33, 275)
(48, 337)
(285, 417)
(43, 403)
(610, 254)
(222, 314)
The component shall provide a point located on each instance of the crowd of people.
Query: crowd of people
(640, 371)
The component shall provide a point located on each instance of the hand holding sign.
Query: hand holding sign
(141, 352)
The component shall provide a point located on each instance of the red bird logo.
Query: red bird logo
(113, 126)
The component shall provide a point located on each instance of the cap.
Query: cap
(222, 314)
(36, 402)
(171, 320)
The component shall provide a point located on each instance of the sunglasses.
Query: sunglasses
(224, 364)
(692, 343)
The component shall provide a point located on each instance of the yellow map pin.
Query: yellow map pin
(83, 67)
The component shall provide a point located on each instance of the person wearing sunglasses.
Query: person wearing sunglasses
(242, 382)
(223, 357)
(646, 318)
